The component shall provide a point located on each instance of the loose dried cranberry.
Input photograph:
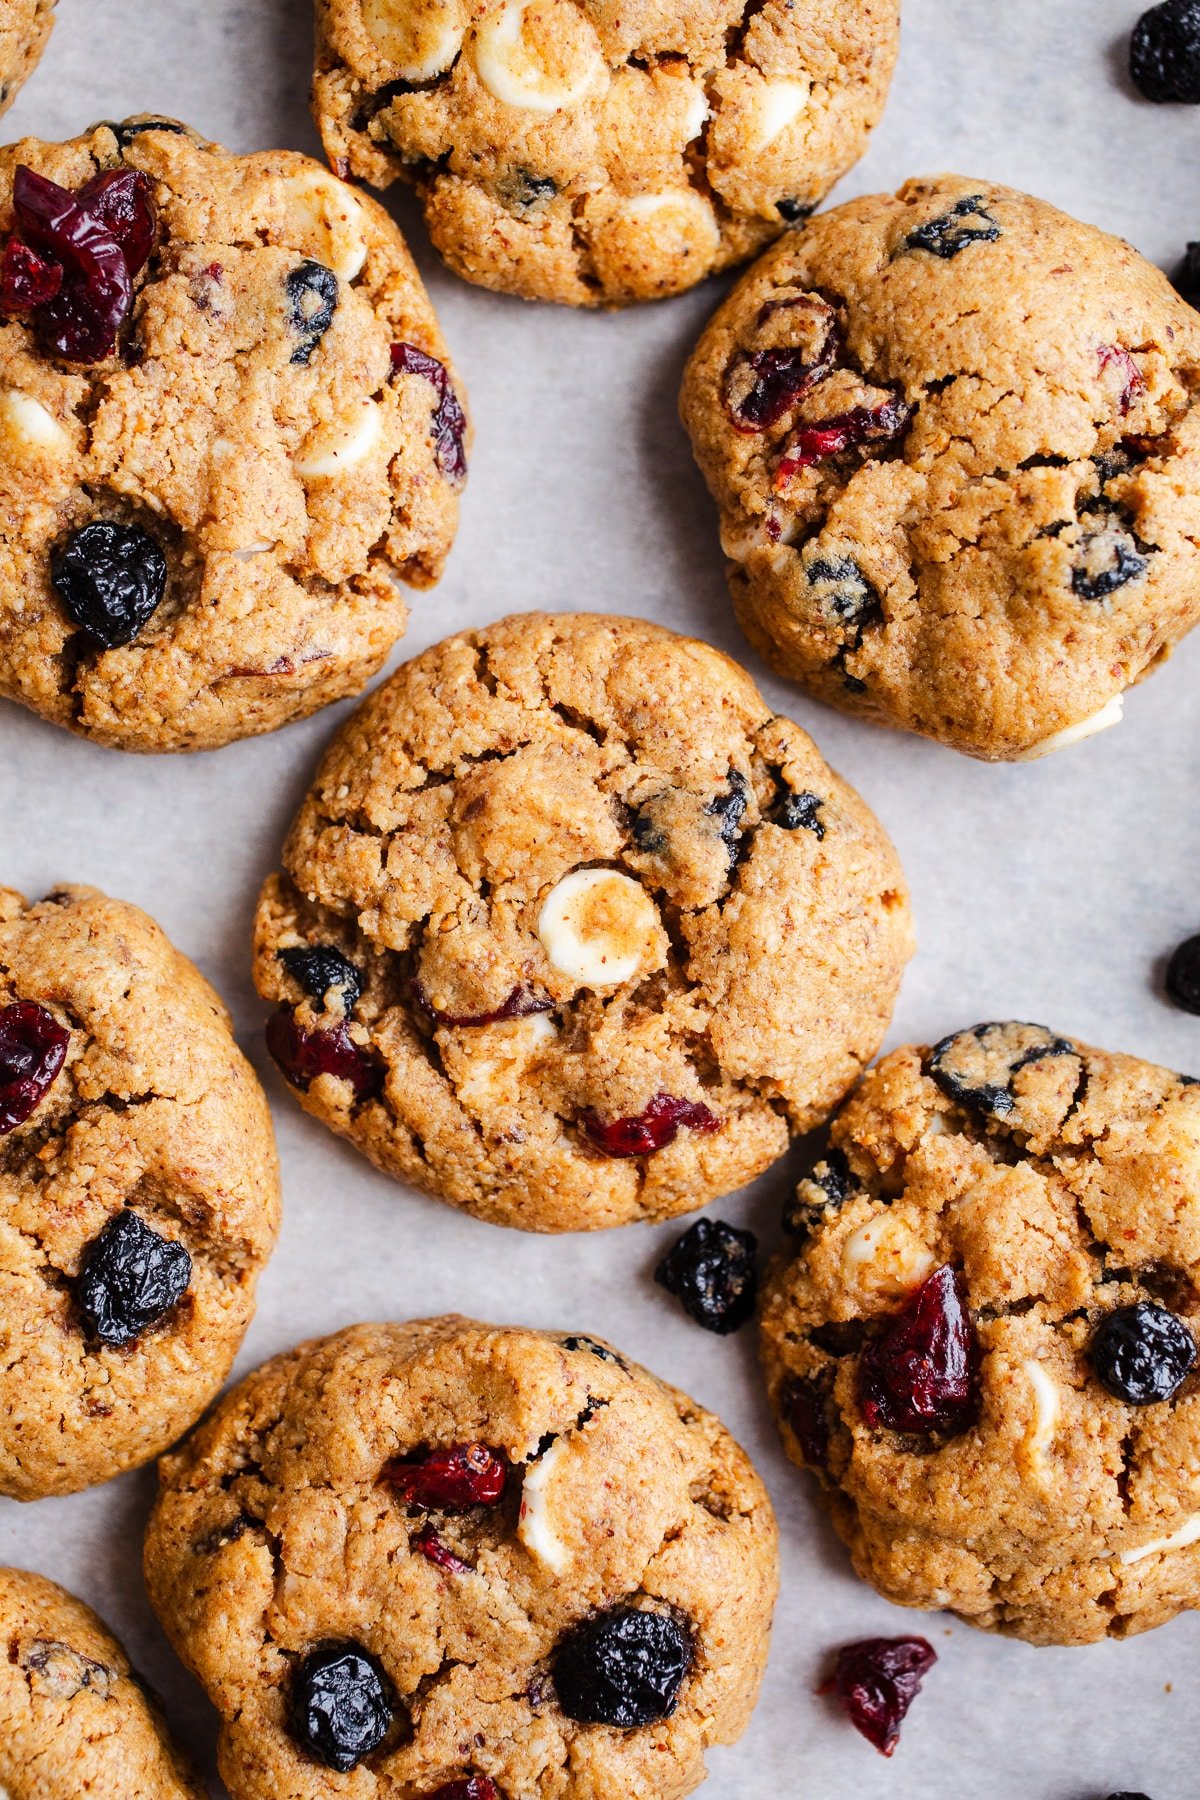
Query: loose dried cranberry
(453, 1480)
(807, 1414)
(449, 420)
(876, 1681)
(762, 385)
(1116, 356)
(431, 1544)
(26, 279)
(475, 1787)
(33, 1049)
(922, 1375)
(651, 1130)
(303, 1055)
(812, 444)
(522, 1003)
(100, 238)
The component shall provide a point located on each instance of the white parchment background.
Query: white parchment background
(1050, 891)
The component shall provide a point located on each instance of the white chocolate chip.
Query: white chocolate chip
(599, 927)
(28, 424)
(1047, 1409)
(332, 449)
(253, 550)
(697, 115)
(1188, 1533)
(780, 104)
(418, 41)
(511, 1044)
(690, 208)
(534, 1527)
(327, 208)
(1104, 720)
(885, 1251)
(515, 73)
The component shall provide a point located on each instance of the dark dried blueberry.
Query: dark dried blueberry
(473, 1787)
(922, 1374)
(968, 222)
(730, 809)
(428, 1542)
(1183, 975)
(624, 1667)
(33, 1049)
(1164, 52)
(712, 1271)
(1106, 560)
(452, 1480)
(126, 130)
(977, 1067)
(319, 968)
(652, 1129)
(590, 1344)
(648, 836)
(341, 1705)
(1143, 1353)
(524, 190)
(841, 593)
(1187, 276)
(807, 1407)
(1124, 1796)
(819, 1194)
(303, 1055)
(876, 1681)
(449, 420)
(130, 1278)
(813, 444)
(522, 1003)
(794, 212)
(27, 279)
(312, 295)
(111, 580)
(798, 812)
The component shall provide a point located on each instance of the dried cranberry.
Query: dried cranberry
(474, 1787)
(1164, 52)
(26, 278)
(430, 1543)
(33, 1049)
(876, 1681)
(453, 1480)
(303, 1055)
(922, 1375)
(812, 444)
(1116, 356)
(761, 386)
(122, 200)
(807, 1414)
(100, 238)
(449, 420)
(1183, 975)
(653, 1129)
(522, 1003)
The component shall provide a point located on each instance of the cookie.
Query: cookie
(571, 931)
(984, 1338)
(74, 1717)
(228, 435)
(25, 26)
(599, 153)
(139, 1195)
(951, 437)
(464, 1561)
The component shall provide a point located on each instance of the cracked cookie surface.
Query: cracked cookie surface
(938, 1346)
(25, 26)
(275, 446)
(952, 439)
(301, 1516)
(605, 931)
(139, 1194)
(597, 153)
(74, 1717)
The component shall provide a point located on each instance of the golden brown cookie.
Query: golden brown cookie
(599, 153)
(442, 1554)
(572, 931)
(139, 1194)
(74, 1717)
(228, 435)
(951, 437)
(25, 26)
(984, 1340)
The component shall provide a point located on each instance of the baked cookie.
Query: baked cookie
(599, 153)
(951, 436)
(468, 1564)
(227, 432)
(24, 28)
(571, 931)
(74, 1718)
(984, 1342)
(139, 1196)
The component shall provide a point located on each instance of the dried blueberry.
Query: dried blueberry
(922, 1374)
(312, 297)
(127, 129)
(319, 968)
(33, 1049)
(595, 1349)
(1183, 976)
(648, 836)
(968, 222)
(129, 1279)
(1187, 277)
(656, 1126)
(1107, 559)
(449, 420)
(807, 1406)
(624, 1667)
(1164, 52)
(794, 212)
(712, 1271)
(799, 812)
(1142, 1353)
(841, 593)
(111, 580)
(303, 1055)
(813, 444)
(452, 1480)
(524, 190)
(730, 809)
(876, 1681)
(341, 1705)
(819, 1194)
(977, 1067)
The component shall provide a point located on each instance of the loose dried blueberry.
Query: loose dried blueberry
(794, 212)
(1164, 52)
(129, 1279)
(33, 1049)
(807, 1406)
(449, 420)
(730, 809)
(712, 1271)
(799, 812)
(658, 1125)
(428, 1542)
(111, 580)
(1187, 277)
(968, 222)
(841, 593)
(1143, 1353)
(474, 1787)
(977, 1067)
(453, 1480)
(813, 444)
(312, 296)
(303, 1055)
(624, 1667)
(1183, 975)
(922, 1375)
(1107, 560)
(876, 1681)
(522, 1003)
(819, 1194)
(319, 968)
(341, 1705)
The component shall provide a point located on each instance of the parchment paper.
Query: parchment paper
(1050, 891)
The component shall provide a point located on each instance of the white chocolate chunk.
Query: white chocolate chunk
(886, 1253)
(28, 425)
(1188, 1533)
(419, 40)
(1104, 720)
(511, 1045)
(690, 209)
(780, 104)
(326, 207)
(253, 550)
(697, 115)
(535, 1527)
(514, 71)
(1047, 1409)
(332, 449)
(599, 927)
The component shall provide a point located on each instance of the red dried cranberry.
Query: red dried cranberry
(522, 1003)
(26, 279)
(122, 200)
(1116, 356)
(876, 1681)
(303, 1055)
(449, 420)
(809, 1419)
(762, 385)
(922, 1375)
(651, 1130)
(430, 1543)
(474, 1787)
(812, 444)
(453, 1480)
(33, 1049)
